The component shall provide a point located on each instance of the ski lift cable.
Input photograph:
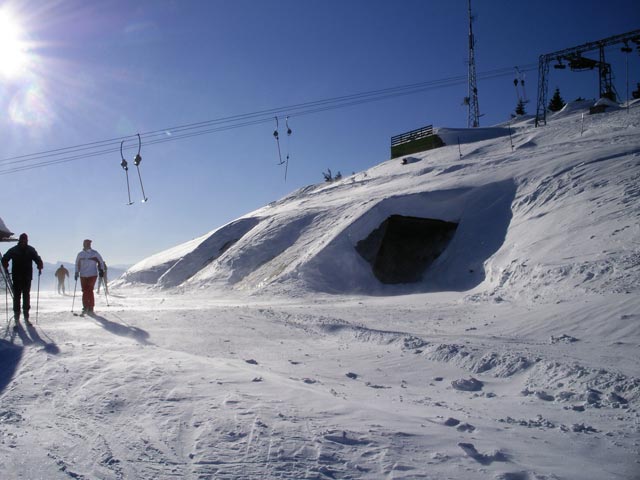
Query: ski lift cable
(225, 123)
(164, 138)
(115, 149)
(165, 131)
(364, 95)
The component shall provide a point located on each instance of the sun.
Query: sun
(14, 52)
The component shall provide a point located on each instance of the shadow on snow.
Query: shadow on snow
(123, 330)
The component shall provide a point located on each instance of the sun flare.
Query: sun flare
(14, 56)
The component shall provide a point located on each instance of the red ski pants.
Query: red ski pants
(87, 284)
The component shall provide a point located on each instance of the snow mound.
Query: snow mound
(525, 204)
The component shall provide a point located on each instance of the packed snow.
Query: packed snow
(267, 348)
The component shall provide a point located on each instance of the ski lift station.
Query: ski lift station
(417, 140)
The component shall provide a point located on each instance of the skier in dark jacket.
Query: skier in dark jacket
(22, 273)
(61, 274)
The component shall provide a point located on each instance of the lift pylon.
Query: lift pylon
(574, 59)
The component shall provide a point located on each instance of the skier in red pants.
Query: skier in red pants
(89, 265)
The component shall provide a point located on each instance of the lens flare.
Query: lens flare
(30, 108)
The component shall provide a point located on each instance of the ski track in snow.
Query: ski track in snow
(179, 402)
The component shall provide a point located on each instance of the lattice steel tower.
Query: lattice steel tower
(472, 99)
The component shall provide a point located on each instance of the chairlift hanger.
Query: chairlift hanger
(289, 132)
(125, 166)
(136, 162)
(277, 137)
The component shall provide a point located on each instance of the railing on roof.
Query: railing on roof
(412, 135)
(417, 140)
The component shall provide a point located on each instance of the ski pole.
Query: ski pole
(8, 289)
(38, 296)
(105, 290)
(74, 294)
(6, 299)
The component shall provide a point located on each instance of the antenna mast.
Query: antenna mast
(472, 99)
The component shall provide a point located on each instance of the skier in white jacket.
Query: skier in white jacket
(89, 265)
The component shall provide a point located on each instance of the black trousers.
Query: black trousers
(21, 290)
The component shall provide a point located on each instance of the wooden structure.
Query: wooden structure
(414, 141)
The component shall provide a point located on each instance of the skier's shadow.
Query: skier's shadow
(10, 356)
(30, 336)
(20, 333)
(136, 333)
(48, 347)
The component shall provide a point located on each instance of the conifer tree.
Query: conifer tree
(557, 103)
(520, 108)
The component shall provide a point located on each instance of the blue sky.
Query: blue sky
(108, 70)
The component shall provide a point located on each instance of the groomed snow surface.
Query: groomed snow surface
(267, 349)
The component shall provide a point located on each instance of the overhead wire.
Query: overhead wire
(103, 147)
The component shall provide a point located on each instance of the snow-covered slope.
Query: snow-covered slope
(540, 211)
(267, 348)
